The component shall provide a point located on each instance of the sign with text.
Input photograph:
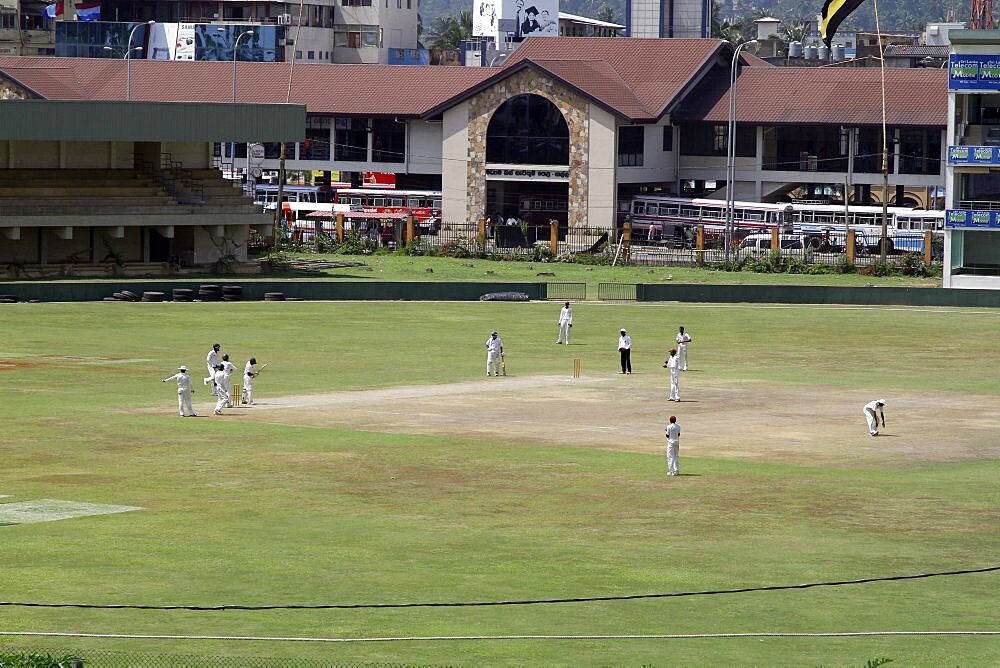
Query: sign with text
(971, 219)
(973, 72)
(974, 155)
(558, 174)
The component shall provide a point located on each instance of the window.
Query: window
(630, 145)
(356, 3)
(8, 20)
(528, 129)
(317, 143)
(388, 140)
(351, 139)
(720, 139)
(298, 55)
(668, 138)
(356, 36)
(311, 56)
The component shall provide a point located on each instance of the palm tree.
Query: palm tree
(447, 32)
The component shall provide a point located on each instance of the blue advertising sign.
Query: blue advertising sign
(974, 155)
(971, 219)
(973, 72)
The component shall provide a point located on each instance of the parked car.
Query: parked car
(759, 245)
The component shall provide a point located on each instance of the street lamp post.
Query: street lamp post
(731, 150)
(236, 51)
(128, 60)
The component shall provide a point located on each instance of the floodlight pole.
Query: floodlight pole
(731, 151)
(128, 60)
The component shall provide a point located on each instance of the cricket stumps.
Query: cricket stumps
(576, 367)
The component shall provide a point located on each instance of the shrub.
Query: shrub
(35, 660)
(912, 264)
(355, 244)
(593, 258)
(454, 249)
(844, 265)
(882, 269)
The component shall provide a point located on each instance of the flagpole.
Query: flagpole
(885, 145)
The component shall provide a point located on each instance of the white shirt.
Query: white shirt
(672, 365)
(673, 432)
(248, 369)
(566, 315)
(221, 379)
(228, 368)
(872, 407)
(682, 339)
(183, 381)
(625, 341)
(494, 346)
(213, 358)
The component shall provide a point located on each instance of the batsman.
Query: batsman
(249, 373)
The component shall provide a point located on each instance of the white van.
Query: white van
(760, 244)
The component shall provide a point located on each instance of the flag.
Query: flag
(833, 14)
(85, 11)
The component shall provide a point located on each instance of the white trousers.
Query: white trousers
(493, 364)
(227, 389)
(247, 390)
(184, 403)
(564, 329)
(675, 389)
(872, 421)
(682, 356)
(223, 398)
(673, 457)
(211, 378)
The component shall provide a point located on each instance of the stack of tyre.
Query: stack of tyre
(232, 293)
(123, 296)
(274, 296)
(210, 293)
(182, 294)
(152, 297)
(8, 299)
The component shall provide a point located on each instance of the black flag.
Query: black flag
(833, 14)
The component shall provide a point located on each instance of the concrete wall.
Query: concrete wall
(32, 155)
(454, 153)
(209, 248)
(657, 164)
(23, 250)
(601, 169)
(796, 294)
(423, 149)
(193, 155)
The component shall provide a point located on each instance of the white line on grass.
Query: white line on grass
(975, 310)
(637, 636)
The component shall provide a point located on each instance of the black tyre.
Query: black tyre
(274, 296)
(152, 296)
(129, 295)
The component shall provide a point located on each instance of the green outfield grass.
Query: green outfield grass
(257, 513)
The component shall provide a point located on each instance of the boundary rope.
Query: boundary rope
(459, 604)
(630, 636)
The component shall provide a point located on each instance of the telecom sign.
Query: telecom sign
(974, 155)
(973, 72)
(971, 219)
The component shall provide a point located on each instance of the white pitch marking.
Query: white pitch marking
(50, 510)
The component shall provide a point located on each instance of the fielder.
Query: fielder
(625, 351)
(494, 349)
(872, 411)
(683, 338)
(183, 391)
(212, 361)
(673, 446)
(248, 376)
(221, 389)
(228, 367)
(673, 365)
(565, 323)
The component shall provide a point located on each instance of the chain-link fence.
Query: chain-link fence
(23, 657)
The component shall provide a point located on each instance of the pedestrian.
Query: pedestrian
(625, 348)
(673, 365)
(228, 367)
(248, 376)
(565, 323)
(683, 338)
(872, 411)
(212, 361)
(221, 389)
(494, 349)
(673, 446)
(184, 391)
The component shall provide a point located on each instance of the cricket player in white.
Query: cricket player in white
(565, 323)
(673, 365)
(494, 349)
(682, 348)
(212, 361)
(221, 389)
(673, 446)
(248, 375)
(228, 367)
(872, 411)
(183, 391)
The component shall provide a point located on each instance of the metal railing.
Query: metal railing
(566, 291)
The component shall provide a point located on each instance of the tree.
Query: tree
(447, 32)
(605, 13)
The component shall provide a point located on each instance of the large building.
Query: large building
(578, 124)
(972, 233)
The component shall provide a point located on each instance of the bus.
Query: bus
(666, 219)
(423, 205)
(299, 200)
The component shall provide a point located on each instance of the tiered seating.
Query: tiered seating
(51, 192)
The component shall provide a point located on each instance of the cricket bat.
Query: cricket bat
(503, 364)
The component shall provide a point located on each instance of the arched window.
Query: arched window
(528, 130)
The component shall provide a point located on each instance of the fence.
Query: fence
(563, 291)
(619, 292)
(534, 242)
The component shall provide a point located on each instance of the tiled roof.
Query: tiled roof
(637, 78)
(916, 51)
(825, 95)
(370, 90)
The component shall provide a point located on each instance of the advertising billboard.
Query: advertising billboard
(531, 18)
(486, 14)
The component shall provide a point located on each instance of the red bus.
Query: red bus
(423, 205)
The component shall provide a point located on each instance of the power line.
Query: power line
(461, 604)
